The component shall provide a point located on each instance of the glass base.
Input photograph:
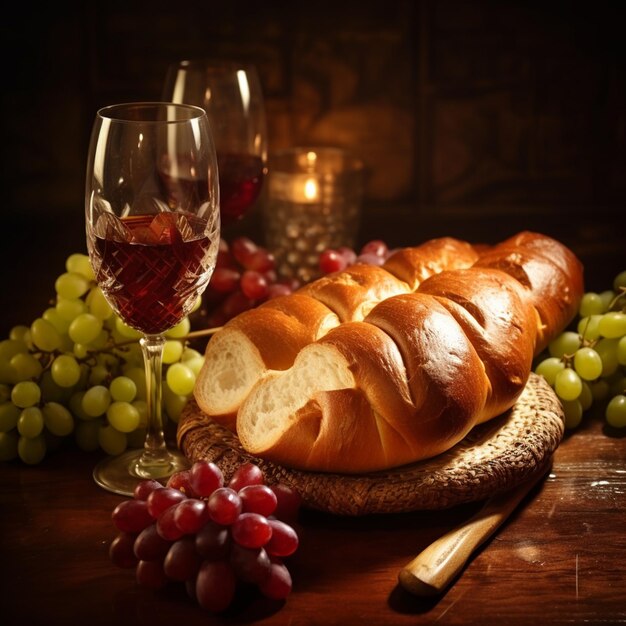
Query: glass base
(120, 474)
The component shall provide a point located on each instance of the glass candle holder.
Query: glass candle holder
(314, 203)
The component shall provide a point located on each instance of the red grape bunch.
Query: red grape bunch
(374, 252)
(209, 534)
(244, 277)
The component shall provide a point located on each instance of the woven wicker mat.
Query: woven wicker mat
(493, 457)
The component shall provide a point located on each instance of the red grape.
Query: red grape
(224, 506)
(163, 498)
(166, 525)
(215, 586)
(284, 540)
(276, 290)
(348, 254)
(205, 478)
(121, 551)
(244, 250)
(331, 261)
(261, 260)
(191, 515)
(213, 542)
(150, 546)
(182, 481)
(258, 499)
(279, 584)
(150, 574)
(225, 280)
(131, 516)
(250, 565)
(254, 285)
(251, 530)
(288, 502)
(246, 474)
(144, 488)
(377, 247)
(182, 562)
(369, 258)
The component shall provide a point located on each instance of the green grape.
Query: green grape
(7, 373)
(591, 304)
(142, 408)
(60, 324)
(26, 393)
(607, 297)
(180, 330)
(112, 441)
(30, 423)
(75, 405)
(86, 435)
(98, 375)
(71, 285)
(190, 353)
(58, 419)
(587, 363)
(195, 365)
(5, 393)
(180, 379)
(96, 400)
(573, 412)
(80, 351)
(196, 305)
(174, 403)
(9, 414)
(586, 397)
(10, 347)
(8, 446)
(621, 351)
(44, 335)
(599, 389)
(98, 304)
(26, 366)
(607, 349)
(612, 324)
(125, 330)
(78, 263)
(123, 389)
(566, 343)
(31, 450)
(138, 376)
(588, 327)
(65, 371)
(50, 390)
(70, 308)
(549, 368)
(123, 416)
(615, 413)
(21, 333)
(85, 328)
(567, 384)
(619, 282)
(172, 351)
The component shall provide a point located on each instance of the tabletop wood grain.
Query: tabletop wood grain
(559, 559)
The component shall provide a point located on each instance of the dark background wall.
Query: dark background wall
(477, 117)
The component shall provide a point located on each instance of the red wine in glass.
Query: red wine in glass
(240, 181)
(150, 266)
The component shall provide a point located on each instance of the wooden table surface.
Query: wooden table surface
(560, 558)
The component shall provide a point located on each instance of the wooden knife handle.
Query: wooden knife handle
(436, 566)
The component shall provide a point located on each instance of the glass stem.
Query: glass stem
(155, 460)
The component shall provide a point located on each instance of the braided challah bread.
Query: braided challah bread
(371, 368)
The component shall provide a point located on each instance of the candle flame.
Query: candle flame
(310, 189)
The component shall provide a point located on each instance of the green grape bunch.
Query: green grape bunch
(77, 371)
(588, 365)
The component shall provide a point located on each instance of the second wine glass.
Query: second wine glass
(152, 222)
(230, 93)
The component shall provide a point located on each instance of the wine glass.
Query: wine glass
(152, 222)
(230, 93)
